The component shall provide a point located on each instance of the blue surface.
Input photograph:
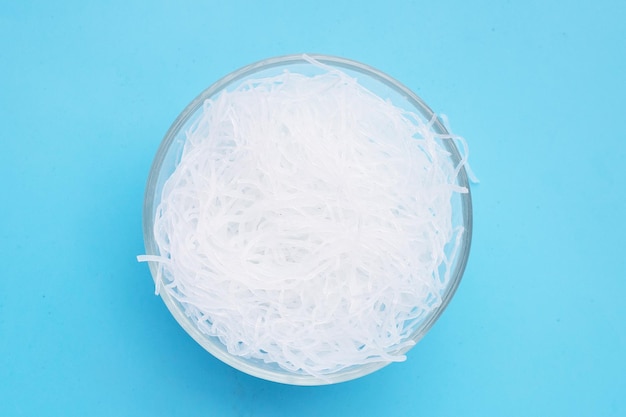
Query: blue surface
(87, 91)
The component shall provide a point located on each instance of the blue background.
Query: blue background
(88, 89)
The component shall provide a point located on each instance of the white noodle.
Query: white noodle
(306, 222)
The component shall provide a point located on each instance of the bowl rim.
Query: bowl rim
(149, 206)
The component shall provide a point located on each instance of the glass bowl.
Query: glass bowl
(169, 154)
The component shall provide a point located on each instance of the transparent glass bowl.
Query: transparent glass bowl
(169, 154)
